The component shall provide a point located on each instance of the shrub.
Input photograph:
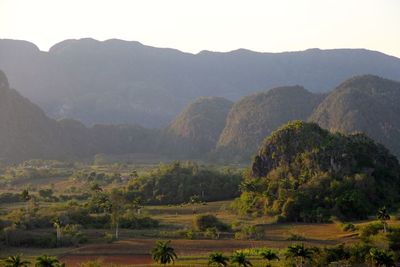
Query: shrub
(359, 253)
(394, 239)
(109, 238)
(349, 227)
(211, 233)
(250, 232)
(132, 221)
(336, 253)
(72, 235)
(295, 237)
(204, 221)
(96, 263)
(371, 229)
(18, 238)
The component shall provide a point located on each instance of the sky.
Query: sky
(215, 25)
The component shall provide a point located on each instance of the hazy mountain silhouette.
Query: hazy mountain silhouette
(26, 133)
(117, 81)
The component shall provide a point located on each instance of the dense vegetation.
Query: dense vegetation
(258, 115)
(305, 173)
(368, 104)
(180, 183)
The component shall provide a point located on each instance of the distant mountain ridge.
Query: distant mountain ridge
(209, 128)
(119, 82)
(27, 133)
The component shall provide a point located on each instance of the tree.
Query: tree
(46, 193)
(25, 196)
(299, 253)
(117, 200)
(383, 216)
(57, 226)
(47, 261)
(381, 257)
(163, 253)
(96, 188)
(269, 255)
(240, 259)
(217, 259)
(15, 261)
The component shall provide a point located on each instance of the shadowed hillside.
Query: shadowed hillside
(26, 133)
(196, 130)
(257, 115)
(368, 104)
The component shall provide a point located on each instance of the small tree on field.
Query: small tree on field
(383, 216)
(269, 255)
(382, 258)
(47, 261)
(240, 259)
(217, 259)
(163, 253)
(15, 261)
(299, 253)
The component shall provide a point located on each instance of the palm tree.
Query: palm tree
(163, 253)
(383, 216)
(239, 258)
(47, 261)
(299, 253)
(117, 200)
(15, 261)
(269, 255)
(25, 196)
(57, 225)
(217, 259)
(382, 258)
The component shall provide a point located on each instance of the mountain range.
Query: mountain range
(123, 82)
(211, 128)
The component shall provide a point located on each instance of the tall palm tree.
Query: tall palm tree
(383, 216)
(47, 261)
(217, 259)
(240, 259)
(57, 226)
(25, 196)
(15, 261)
(269, 255)
(163, 253)
(299, 253)
(382, 258)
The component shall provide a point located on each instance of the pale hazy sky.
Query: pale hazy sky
(217, 25)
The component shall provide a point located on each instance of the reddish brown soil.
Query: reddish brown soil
(75, 260)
